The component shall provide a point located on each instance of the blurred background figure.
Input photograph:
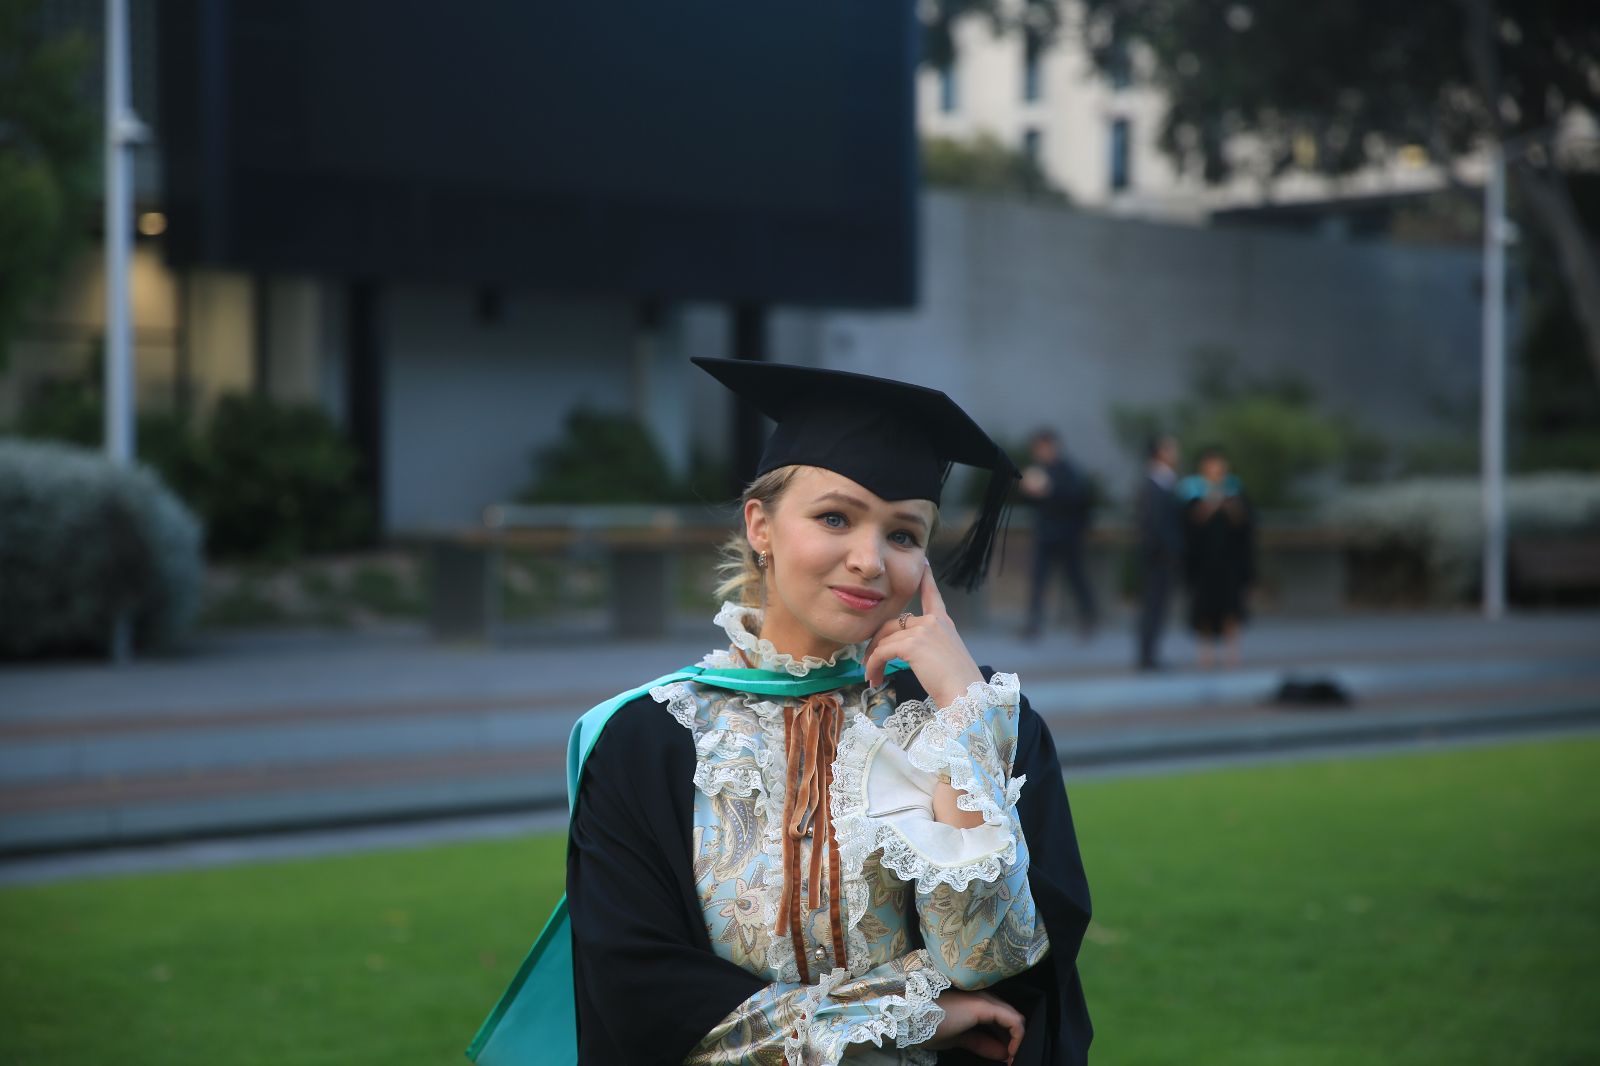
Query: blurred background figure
(1063, 502)
(1158, 525)
(1219, 556)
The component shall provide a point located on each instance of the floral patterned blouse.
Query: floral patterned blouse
(966, 890)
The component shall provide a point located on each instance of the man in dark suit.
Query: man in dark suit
(1159, 526)
(1061, 499)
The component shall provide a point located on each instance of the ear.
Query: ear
(757, 526)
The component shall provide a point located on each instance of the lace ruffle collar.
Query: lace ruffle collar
(738, 622)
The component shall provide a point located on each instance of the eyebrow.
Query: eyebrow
(860, 504)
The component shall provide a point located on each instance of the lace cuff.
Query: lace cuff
(884, 781)
(894, 1002)
(813, 1025)
(971, 743)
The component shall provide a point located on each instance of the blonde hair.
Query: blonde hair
(740, 579)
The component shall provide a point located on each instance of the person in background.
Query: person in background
(1219, 556)
(1062, 500)
(1158, 524)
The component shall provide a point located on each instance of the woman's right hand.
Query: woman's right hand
(970, 1019)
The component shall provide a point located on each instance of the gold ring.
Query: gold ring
(905, 616)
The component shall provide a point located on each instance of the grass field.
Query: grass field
(1420, 909)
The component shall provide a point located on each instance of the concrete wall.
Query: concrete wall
(467, 401)
(1034, 315)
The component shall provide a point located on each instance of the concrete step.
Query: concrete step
(326, 788)
(129, 746)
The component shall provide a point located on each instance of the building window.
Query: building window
(1121, 158)
(947, 88)
(1030, 71)
(1030, 146)
(1120, 69)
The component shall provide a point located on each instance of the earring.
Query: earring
(761, 560)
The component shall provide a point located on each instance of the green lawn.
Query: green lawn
(1439, 909)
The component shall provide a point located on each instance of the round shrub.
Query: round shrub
(278, 481)
(83, 540)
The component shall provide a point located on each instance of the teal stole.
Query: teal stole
(536, 1018)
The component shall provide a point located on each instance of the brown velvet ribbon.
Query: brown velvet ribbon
(811, 737)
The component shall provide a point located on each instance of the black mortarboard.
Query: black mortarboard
(897, 440)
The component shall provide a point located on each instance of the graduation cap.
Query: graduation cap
(894, 439)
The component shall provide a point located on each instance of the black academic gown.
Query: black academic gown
(648, 985)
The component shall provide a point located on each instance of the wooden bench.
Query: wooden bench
(640, 544)
(1551, 566)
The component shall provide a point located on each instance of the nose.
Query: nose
(866, 558)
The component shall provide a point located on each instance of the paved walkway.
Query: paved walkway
(272, 731)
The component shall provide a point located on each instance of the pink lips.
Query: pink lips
(857, 599)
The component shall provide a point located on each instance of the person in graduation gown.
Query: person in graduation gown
(1219, 556)
(881, 870)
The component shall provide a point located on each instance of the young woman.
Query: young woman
(836, 839)
(1219, 557)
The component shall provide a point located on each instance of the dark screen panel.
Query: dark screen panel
(731, 151)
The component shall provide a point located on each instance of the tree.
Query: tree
(47, 155)
(1040, 20)
(1267, 86)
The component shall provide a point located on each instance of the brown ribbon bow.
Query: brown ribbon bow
(811, 737)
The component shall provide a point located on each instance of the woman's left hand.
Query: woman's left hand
(931, 646)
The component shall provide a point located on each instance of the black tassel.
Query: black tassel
(967, 566)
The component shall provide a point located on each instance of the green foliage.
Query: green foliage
(330, 591)
(47, 155)
(63, 410)
(603, 458)
(985, 165)
(1271, 429)
(1037, 20)
(279, 481)
(381, 590)
(1440, 454)
(1448, 878)
(84, 542)
(246, 603)
(1438, 521)
(1271, 442)
(1333, 87)
(271, 481)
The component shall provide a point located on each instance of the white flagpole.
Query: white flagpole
(122, 131)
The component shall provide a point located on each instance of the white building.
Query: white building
(1096, 137)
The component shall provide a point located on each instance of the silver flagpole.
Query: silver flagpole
(1494, 376)
(122, 130)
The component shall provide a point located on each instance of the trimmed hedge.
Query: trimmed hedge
(82, 539)
(1438, 522)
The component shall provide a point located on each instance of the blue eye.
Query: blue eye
(904, 537)
(833, 520)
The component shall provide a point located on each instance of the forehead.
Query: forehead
(812, 483)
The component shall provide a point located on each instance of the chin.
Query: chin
(851, 628)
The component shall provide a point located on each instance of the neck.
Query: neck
(789, 637)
